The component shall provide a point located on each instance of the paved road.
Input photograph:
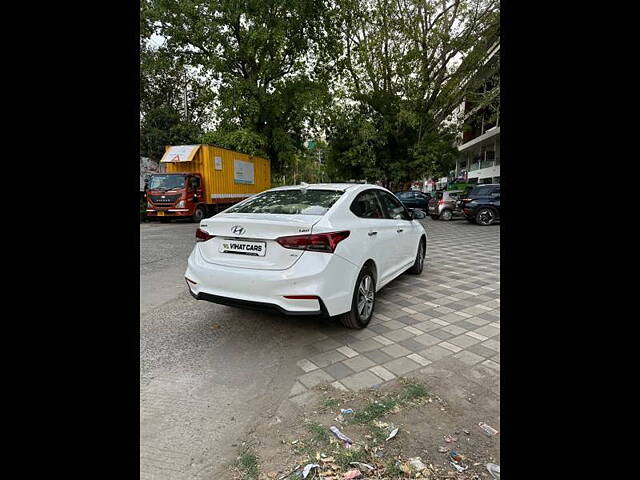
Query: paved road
(210, 373)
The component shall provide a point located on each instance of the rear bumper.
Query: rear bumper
(328, 276)
(234, 302)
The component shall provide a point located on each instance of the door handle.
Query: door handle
(372, 233)
(400, 230)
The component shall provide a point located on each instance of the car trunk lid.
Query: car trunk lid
(248, 240)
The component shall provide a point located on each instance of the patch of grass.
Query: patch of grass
(374, 410)
(346, 455)
(248, 466)
(413, 390)
(391, 470)
(379, 434)
(330, 402)
(321, 434)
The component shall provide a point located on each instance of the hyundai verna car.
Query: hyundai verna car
(307, 250)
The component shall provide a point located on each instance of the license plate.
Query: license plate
(161, 214)
(257, 249)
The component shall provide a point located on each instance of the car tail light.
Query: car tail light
(317, 242)
(202, 236)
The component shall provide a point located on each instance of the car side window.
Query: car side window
(394, 209)
(366, 205)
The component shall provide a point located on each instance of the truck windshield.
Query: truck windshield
(292, 202)
(166, 182)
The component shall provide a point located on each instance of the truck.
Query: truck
(201, 180)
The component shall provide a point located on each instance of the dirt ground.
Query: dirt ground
(429, 426)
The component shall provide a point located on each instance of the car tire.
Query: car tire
(198, 215)
(434, 217)
(446, 215)
(485, 216)
(354, 318)
(418, 265)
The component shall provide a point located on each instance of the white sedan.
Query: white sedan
(307, 250)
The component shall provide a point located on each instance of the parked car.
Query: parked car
(443, 205)
(482, 204)
(414, 199)
(307, 250)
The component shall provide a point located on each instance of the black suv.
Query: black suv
(414, 199)
(482, 204)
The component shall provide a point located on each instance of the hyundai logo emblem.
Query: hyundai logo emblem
(238, 230)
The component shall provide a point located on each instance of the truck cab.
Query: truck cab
(176, 195)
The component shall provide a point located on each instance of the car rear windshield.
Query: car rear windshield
(289, 202)
(482, 191)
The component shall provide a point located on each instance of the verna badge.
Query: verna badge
(237, 230)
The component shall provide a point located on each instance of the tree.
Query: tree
(266, 58)
(405, 65)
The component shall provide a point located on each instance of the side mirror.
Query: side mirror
(418, 214)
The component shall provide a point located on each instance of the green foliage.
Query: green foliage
(321, 435)
(248, 466)
(242, 140)
(378, 80)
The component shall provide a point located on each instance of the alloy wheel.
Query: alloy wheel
(366, 296)
(485, 216)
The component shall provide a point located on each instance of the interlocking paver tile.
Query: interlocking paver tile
(412, 345)
(454, 330)
(435, 352)
(420, 359)
(480, 350)
(441, 334)
(361, 380)
(427, 326)
(382, 372)
(339, 370)
(379, 357)
(327, 358)
(383, 340)
(394, 324)
(427, 340)
(306, 365)
(476, 335)
(358, 363)
(477, 321)
(492, 344)
(491, 364)
(365, 345)
(401, 365)
(314, 378)
(488, 331)
(463, 341)
(348, 352)
(399, 335)
(450, 346)
(396, 350)
(467, 357)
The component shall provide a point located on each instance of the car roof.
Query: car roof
(326, 186)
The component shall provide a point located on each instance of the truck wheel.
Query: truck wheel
(198, 215)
